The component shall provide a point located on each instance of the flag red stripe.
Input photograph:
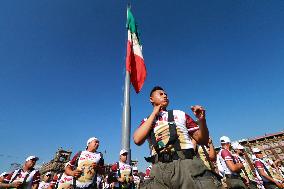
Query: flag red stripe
(136, 67)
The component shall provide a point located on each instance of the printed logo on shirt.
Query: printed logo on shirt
(184, 125)
(85, 164)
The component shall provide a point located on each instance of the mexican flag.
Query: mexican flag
(134, 58)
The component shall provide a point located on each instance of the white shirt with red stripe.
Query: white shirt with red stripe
(64, 182)
(147, 173)
(43, 185)
(19, 175)
(185, 126)
(85, 165)
(223, 156)
(259, 165)
(124, 169)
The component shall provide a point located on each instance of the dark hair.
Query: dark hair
(155, 89)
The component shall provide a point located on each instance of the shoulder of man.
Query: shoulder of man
(101, 161)
(226, 155)
(75, 159)
(258, 164)
(11, 177)
(101, 154)
(36, 176)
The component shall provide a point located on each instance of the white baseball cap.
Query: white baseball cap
(225, 139)
(135, 169)
(237, 146)
(48, 173)
(91, 139)
(123, 151)
(256, 150)
(32, 157)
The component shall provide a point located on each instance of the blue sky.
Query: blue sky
(62, 66)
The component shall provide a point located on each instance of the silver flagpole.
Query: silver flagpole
(126, 118)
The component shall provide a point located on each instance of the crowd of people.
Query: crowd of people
(182, 156)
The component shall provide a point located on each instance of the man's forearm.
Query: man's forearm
(203, 132)
(142, 132)
(268, 177)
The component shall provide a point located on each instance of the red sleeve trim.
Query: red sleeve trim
(190, 124)
(114, 167)
(258, 165)
(226, 155)
(73, 161)
(143, 121)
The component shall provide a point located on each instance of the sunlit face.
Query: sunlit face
(259, 155)
(123, 157)
(226, 146)
(159, 97)
(278, 163)
(30, 164)
(93, 145)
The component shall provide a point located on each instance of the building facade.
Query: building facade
(57, 164)
(272, 145)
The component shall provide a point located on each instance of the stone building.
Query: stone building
(57, 164)
(272, 145)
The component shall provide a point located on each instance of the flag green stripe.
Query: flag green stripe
(131, 25)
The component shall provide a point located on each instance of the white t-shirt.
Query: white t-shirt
(184, 124)
(223, 156)
(85, 162)
(125, 170)
(20, 175)
(43, 185)
(260, 164)
(65, 182)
